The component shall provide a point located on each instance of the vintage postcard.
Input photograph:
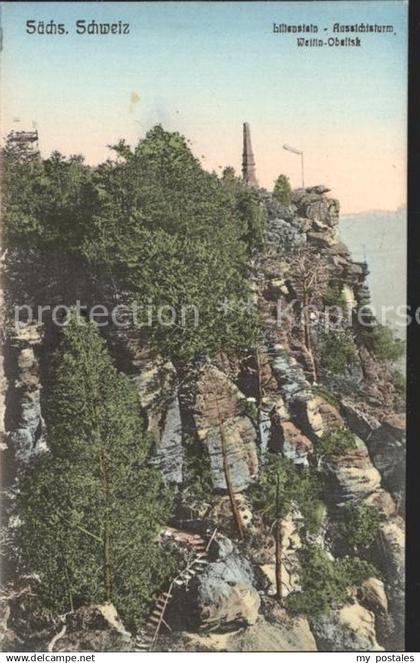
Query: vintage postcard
(203, 327)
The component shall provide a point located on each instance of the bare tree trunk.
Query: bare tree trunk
(279, 546)
(69, 587)
(235, 511)
(307, 333)
(260, 397)
(279, 555)
(108, 571)
(260, 390)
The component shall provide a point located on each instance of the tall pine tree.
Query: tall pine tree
(91, 509)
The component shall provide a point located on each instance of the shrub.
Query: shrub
(383, 343)
(248, 408)
(360, 523)
(337, 443)
(282, 190)
(337, 352)
(325, 582)
(197, 472)
(334, 296)
(400, 383)
(308, 489)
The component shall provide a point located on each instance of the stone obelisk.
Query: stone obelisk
(248, 161)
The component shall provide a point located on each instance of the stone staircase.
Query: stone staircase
(148, 635)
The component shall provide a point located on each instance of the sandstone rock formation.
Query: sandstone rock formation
(391, 557)
(223, 597)
(220, 413)
(321, 212)
(264, 636)
(157, 385)
(351, 628)
(351, 476)
(26, 437)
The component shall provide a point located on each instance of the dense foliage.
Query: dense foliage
(382, 342)
(399, 381)
(282, 485)
(334, 296)
(337, 351)
(91, 509)
(325, 582)
(337, 443)
(149, 229)
(360, 523)
(196, 470)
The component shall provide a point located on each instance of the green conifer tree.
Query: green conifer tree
(281, 486)
(91, 509)
(282, 190)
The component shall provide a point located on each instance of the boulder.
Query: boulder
(316, 416)
(26, 334)
(26, 358)
(223, 597)
(313, 205)
(385, 441)
(284, 235)
(322, 212)
(390, 557)
(372, 596)
(319, 188)
(264, 636)
(330, 416)
(26, 437)
(383, 502)
(25, 625)
(387, 449)
(275, 209)
(168, 454)
(322, 239)
(308, 412)
(94, 628)
(361, 423)
(351, 628)
(241, 453)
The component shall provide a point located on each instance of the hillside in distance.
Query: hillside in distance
(379, 237)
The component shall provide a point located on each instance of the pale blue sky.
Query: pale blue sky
(203, 69)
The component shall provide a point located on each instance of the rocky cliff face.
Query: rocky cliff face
(282, 400)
